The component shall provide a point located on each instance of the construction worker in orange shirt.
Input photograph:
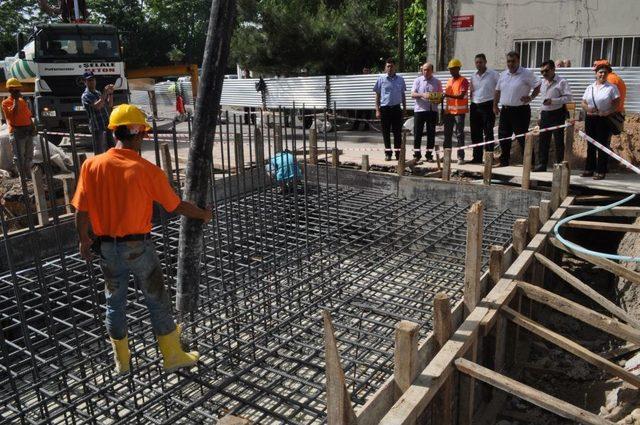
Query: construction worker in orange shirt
(457, 94)
(21, 128)
(114, 197)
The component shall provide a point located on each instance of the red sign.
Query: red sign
(462, 23)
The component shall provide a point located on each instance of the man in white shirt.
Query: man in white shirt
(482, 119)
(427, 93)
(513, 93)
(556, 93)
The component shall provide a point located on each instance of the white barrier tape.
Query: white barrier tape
(163, 136)
(609, 152)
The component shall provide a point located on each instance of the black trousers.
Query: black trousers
(513, 120)
(599, 129)
(391, 120)
(430, 118)
(551, 119)
(482, 120)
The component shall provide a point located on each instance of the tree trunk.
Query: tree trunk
(214, 64)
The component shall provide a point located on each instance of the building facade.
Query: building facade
(580, 31)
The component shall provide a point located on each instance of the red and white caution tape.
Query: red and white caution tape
(609, 152)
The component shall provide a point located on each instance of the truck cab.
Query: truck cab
(62, 53)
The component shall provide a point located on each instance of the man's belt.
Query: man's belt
(125, 238)
(515, 107)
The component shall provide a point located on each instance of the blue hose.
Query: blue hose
(578, 248)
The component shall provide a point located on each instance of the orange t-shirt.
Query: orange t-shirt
(456, 87)
(117, 189)
(21, 118)
(615, 79)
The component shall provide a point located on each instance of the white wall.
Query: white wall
(566, 22)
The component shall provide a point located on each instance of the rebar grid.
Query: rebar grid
(272, 261)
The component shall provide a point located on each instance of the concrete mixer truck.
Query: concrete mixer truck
(54, 60)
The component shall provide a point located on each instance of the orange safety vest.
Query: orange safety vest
(456, 86)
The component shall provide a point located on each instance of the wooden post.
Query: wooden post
(42, 210)
(68, 188)
(568, 141)
(277, 138)
(496, 256)
(473, 257)
(313, 146)
(526, 161)
(339, 408)
(166, 161)
(154, 103)
(556, 182)
(471, 296)
(335, 157)
(82, 157)
(259, 147)
(446, 166)
(365, 162)
(545, 211)
(442, 331)
(534, 220)
(436, 151)
(520, 228)
(488, 166)
(239, 153)
(405, 355)
(403, 153)
(565, 181)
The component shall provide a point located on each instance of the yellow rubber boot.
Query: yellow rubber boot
(173, 356)
(121, 354)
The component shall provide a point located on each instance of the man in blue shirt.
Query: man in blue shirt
(98, 105)
(390, 93)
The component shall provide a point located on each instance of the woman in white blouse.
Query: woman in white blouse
(600, 100)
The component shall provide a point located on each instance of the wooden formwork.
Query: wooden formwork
(493, 303)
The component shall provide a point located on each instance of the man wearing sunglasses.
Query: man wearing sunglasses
(556, 93)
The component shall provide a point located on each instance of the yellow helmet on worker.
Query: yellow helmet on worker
(13, 83)
(129, 115)
(454, 63)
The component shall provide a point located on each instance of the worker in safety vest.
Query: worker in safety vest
(21, 129)
(456, 92)
(114, 196)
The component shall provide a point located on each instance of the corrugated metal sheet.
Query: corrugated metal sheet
(356, 91)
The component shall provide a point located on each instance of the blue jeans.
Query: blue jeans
(118, 261)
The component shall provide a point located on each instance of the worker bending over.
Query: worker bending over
(115, 194)
(284, 168)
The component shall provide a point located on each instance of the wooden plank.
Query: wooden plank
(339, 408)
(42, 209)
(277, 138)
(68, 189)
(614, 212)
(608, 227)
(488, 166)
(429, 381)
(527, 157)
(587, 290)
(233, 420)
(239, 153)
(525, 392)
(608, 265)
(402, 157)
(568, 141)
(565, 180)
(405, 355)
(258, 146)
(446, 166)
(580, 312)
(570, 346)
(365, 163)
(545, 211)
(443, 328)
(473, 257)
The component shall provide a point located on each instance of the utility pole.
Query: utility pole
(214, 64)
(400, 35)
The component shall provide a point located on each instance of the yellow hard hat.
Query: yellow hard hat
(13, 83)
(128, 115)
(454, 63)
